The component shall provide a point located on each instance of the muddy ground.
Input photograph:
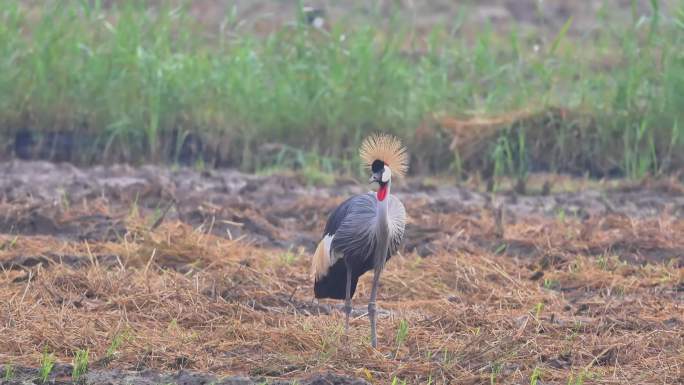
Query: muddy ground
(282, 211)
(61, 374)
(207, 272)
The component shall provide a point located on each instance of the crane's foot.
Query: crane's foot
(356, 311)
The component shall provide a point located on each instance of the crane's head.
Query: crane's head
(385, 156)
(380, 172)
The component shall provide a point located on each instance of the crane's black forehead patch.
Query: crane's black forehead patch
(377, 166)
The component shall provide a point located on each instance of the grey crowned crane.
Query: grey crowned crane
(364, 231)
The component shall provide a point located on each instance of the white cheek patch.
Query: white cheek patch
(386, 175)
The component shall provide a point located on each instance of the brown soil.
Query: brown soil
(281, 211)
(207, 272)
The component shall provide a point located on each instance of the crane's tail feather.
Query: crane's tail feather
(320, 262)
(322, 257)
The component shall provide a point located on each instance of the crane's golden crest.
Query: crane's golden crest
(387, 148)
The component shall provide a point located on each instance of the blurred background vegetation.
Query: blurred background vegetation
(493, 88)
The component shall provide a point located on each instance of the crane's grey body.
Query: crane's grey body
(361, 235)
(359, 230)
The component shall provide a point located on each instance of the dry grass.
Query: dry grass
(177, 297)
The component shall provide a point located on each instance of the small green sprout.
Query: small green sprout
(496, 370)
(288, 258)
(80, 364)
(402, 333)
(536, 375)
(47, 362)
(116, 343)
(538, 309)
(8, 372)
(551, 284)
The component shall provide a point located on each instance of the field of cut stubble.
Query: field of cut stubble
(179, 276)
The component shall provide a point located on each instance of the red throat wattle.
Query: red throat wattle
(382, 192)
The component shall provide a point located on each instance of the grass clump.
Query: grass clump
(536, 376)
(115, 345)
(402, 336)
(47, 362)
(551, 284)
(80, 364)
(495, 371)
(402, 333)
(8, 372)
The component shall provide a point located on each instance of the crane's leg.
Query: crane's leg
(379, 266)
(371, 308)
(347, 300)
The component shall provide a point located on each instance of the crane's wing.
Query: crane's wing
(347, 232)
(355, 237)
